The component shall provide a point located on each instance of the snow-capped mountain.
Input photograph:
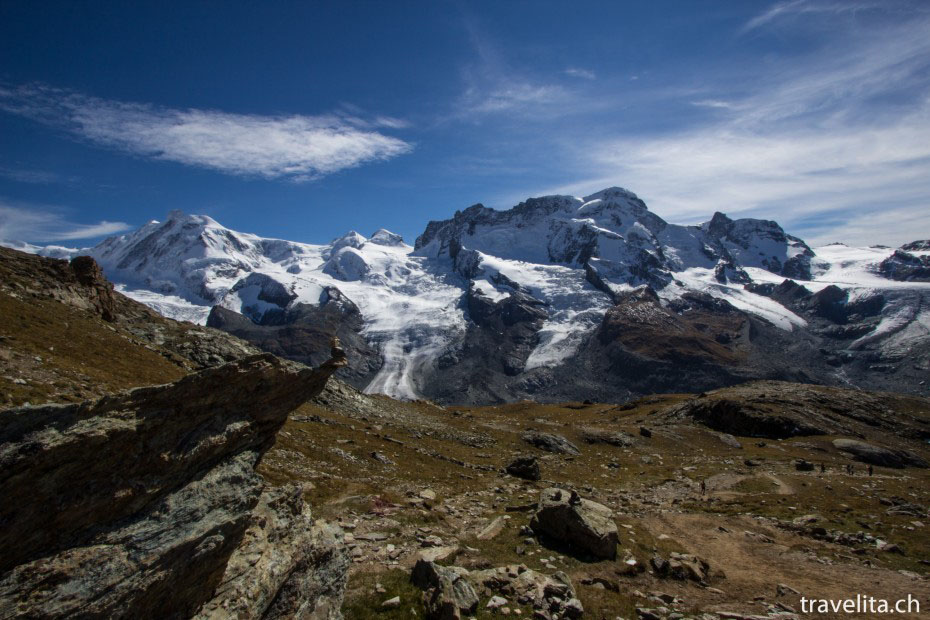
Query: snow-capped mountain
(549, 299)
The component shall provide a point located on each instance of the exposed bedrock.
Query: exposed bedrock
(132, 505)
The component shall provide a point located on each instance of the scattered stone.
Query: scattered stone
(431, 541)
(428, 495)
(681, 566)
(436, 554)
(730, 440)
(783, 590)
(548, 595)
(492, 529)
(391, 603)
(581, 524)
(645, 432)
(495, 602)
(888, 547)
(629, 566)
(803, 465)
(807, 519)
(381, 458)
(526, 467)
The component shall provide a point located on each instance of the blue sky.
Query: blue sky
(305, 120)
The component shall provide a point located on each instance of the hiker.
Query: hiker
(703, 487)
(823, 468)
(871, 470)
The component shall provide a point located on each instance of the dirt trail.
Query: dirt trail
(755, 567)
(783, 487)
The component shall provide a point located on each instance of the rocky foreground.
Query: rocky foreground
(147, 503)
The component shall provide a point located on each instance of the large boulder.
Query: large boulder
(584, 526)
(878, 455)
(526, 467)
(133, 505)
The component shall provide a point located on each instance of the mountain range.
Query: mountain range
(558, 298)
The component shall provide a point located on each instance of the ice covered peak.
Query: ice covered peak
(612, 194)
(351, 239)
(385, 237)
(178, 216)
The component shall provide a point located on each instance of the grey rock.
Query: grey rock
(287, 566)
(681, 566)
(548, 594)
(550, 442)
(585, 526)
(447, 592)
(730, 440)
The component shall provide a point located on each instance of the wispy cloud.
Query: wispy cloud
(842, 135)
(494, 87)
(506, 97)
(793, 8)
(577, 72)
(297, 147)
(713, 103)
(35, 177)
(43, 224)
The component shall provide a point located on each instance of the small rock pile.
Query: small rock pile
(450, 591)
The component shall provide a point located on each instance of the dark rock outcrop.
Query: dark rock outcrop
(878, 455)
(777, 410)
(133, 505)
(79, 283)
(526, 467)
(906, 267)
(89, 274)
(301, 332)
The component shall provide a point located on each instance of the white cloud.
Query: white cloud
(38, 224)
(288, 146)
(577, 72)
(713, 103)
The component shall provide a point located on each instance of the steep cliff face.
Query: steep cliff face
(133, 505)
